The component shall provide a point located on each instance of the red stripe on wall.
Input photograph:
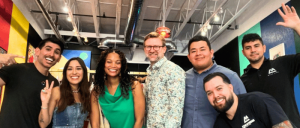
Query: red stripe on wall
(5, 18)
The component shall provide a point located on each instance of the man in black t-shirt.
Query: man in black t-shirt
(23, 84)
(250, 110)
(274, 77)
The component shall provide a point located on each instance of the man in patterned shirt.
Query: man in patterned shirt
(165, 86)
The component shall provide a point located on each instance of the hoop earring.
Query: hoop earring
(105, 76)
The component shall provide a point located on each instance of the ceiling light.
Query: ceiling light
(203, 33)
(86, 39)
(221, 10)
(69, 19)
(65, 9)
(217, 18)
(205, 29)
(208, 26)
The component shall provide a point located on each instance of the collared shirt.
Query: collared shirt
(165, 89)
(276, 78)
(198, 112)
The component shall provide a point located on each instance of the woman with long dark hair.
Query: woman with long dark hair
(120, 95)
(68, 104)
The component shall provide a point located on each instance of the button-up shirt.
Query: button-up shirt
(198, 112)
(165, 91)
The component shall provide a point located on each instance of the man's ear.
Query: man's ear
(37, 51)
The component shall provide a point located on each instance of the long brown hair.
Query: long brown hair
(66, 94)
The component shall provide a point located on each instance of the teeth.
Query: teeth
(74, 77)
(112, 70)
(49, 59)
(220, 100)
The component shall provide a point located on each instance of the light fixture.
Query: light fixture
(86, 39)
(221, 10)
(217, 18)
(69, 19)
(208, 26)
(203, 33)
(205, 29)
(164, 31)
(65, 9)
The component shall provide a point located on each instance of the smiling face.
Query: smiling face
(254, 51)
(200, 55)
(74, 73)
(219, 94)
(154, 55)
(112, 64)
(48, 55)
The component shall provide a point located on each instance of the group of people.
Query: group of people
(208, 95)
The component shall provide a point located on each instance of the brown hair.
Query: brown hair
(155, 35)
(66, 94)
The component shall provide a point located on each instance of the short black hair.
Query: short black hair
(251, 37)
(213, 75)
(199, 38)
(53, 40)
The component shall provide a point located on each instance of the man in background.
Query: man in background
(274, 77)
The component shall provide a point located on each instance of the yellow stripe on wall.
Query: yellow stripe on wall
(19, 28)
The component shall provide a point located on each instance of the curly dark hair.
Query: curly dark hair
(66, 94)
(125, 79)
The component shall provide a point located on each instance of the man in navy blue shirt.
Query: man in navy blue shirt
(198, 113)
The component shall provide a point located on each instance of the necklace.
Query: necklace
(76, 91)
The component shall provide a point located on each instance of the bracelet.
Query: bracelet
(44, 107)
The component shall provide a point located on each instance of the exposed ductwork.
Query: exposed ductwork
(104, 42)
(133, 16)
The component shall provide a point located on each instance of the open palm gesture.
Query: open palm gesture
(290, 17)
(46, 92)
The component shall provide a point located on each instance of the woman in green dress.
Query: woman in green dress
(119, 94)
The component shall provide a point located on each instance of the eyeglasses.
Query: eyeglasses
(154, 47)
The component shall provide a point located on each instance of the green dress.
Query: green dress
(118, 110)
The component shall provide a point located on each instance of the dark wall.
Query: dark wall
(228, 56)
(182, 61)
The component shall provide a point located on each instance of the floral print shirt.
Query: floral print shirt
(165, 91)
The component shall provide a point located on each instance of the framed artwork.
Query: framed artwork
(277, 51)
(31, 58)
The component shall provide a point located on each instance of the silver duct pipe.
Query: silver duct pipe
(104, 42)
(133, 16)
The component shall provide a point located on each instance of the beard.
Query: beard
(254, 61)
(227, 106)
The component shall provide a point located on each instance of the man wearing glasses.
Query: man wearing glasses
(165, 86)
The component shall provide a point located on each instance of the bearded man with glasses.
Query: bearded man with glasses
(165, 86)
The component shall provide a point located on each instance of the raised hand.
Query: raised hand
(8, 59)
(290, 17)
(46, 92)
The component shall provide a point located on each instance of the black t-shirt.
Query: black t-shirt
(255, 110)
(22, 104)
(276, 78)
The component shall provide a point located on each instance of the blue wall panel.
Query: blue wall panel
(273, 35)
